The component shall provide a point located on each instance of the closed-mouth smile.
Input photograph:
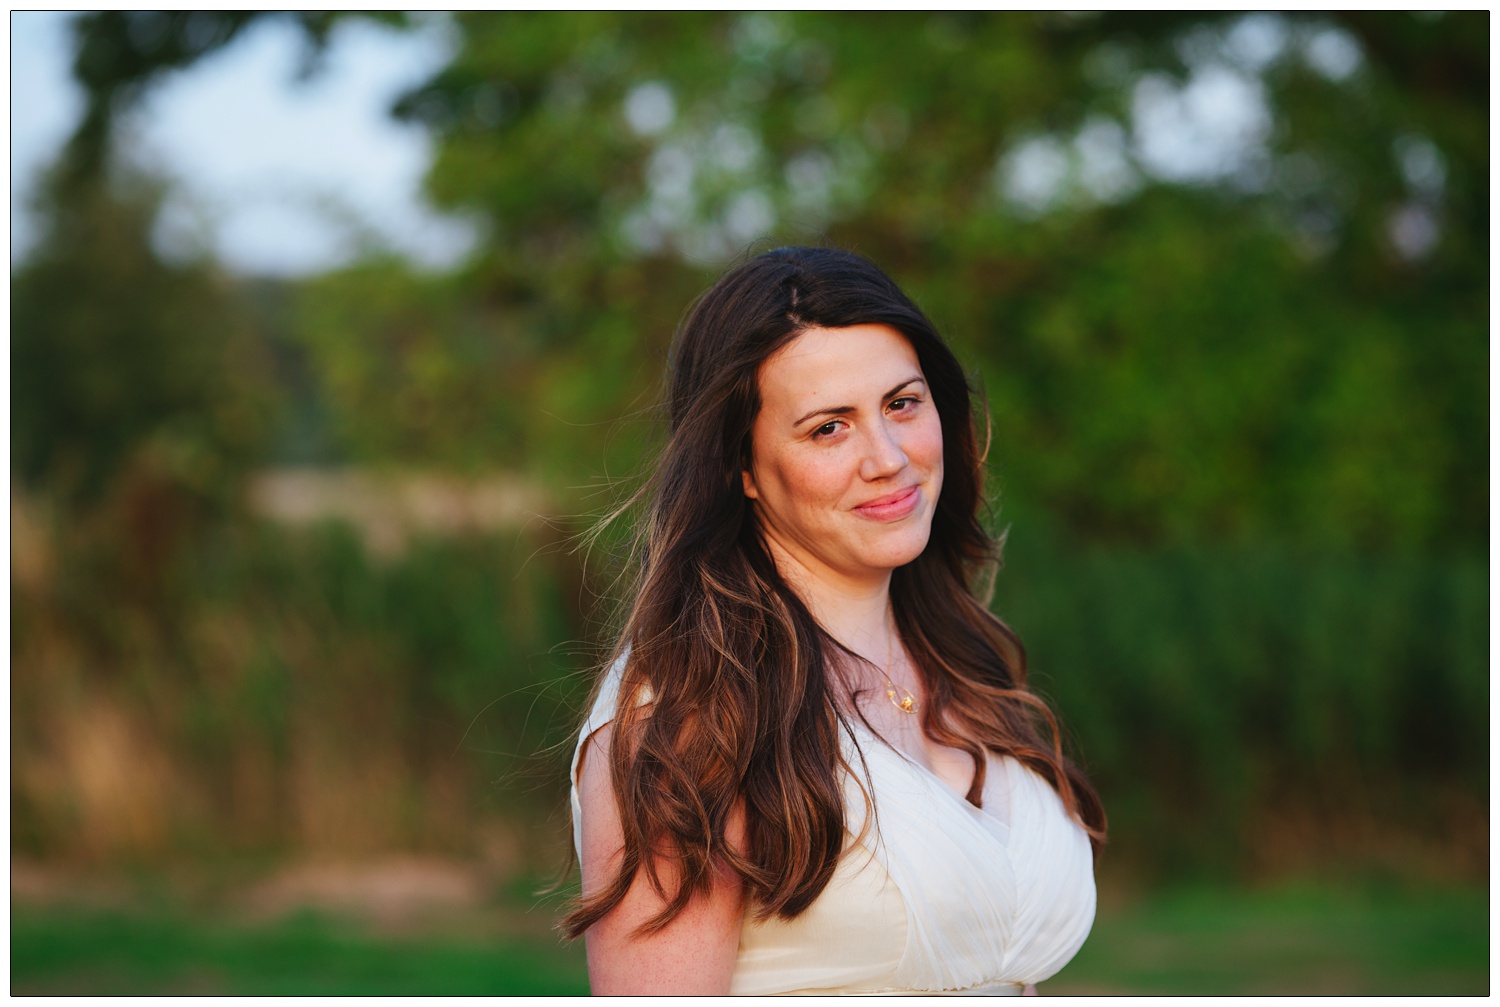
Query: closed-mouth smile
(892, 506)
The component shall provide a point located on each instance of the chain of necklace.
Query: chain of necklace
(906, 702)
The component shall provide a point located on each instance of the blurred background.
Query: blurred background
(331, 332)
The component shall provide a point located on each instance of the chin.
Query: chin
(900, 552)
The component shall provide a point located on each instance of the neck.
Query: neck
(854, 611)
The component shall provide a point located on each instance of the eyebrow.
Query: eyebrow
(843, 410)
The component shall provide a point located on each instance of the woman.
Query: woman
(813, 765)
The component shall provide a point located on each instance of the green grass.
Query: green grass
(1290, 940)
(1219, 941)
(58, 951)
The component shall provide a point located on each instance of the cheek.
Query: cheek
(927, 446)
(787, 476)
(813, 480)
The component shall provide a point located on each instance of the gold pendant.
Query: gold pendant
(906, 704)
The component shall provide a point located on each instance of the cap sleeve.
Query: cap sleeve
(606, 703)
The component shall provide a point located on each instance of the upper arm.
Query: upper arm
(694, 953)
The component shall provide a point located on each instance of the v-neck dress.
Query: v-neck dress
(935, 896)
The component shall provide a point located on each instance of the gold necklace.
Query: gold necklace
(908, 702)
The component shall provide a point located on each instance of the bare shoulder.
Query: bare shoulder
(694, 953)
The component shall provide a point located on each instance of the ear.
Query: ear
(748, 481)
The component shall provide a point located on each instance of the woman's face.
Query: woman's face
(846, 454)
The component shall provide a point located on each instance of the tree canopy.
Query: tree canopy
(1219, 275)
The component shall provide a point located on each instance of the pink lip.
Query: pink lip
(892, 506)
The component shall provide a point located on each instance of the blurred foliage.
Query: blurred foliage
(1249, 355)
(116, 354)
(1211, 690)
(303, 698)
(1222, 277)
(1274, 330)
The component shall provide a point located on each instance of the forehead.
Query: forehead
(836, 367)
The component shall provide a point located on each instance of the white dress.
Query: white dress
(938, 897)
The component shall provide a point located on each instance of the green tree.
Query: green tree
(1222, 275)
(1246, 348)
(117, 355)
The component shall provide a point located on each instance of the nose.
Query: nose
(883, 456)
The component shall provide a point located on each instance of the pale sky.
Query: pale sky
(276, 177)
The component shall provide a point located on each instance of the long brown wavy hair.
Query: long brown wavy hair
(743, 714)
